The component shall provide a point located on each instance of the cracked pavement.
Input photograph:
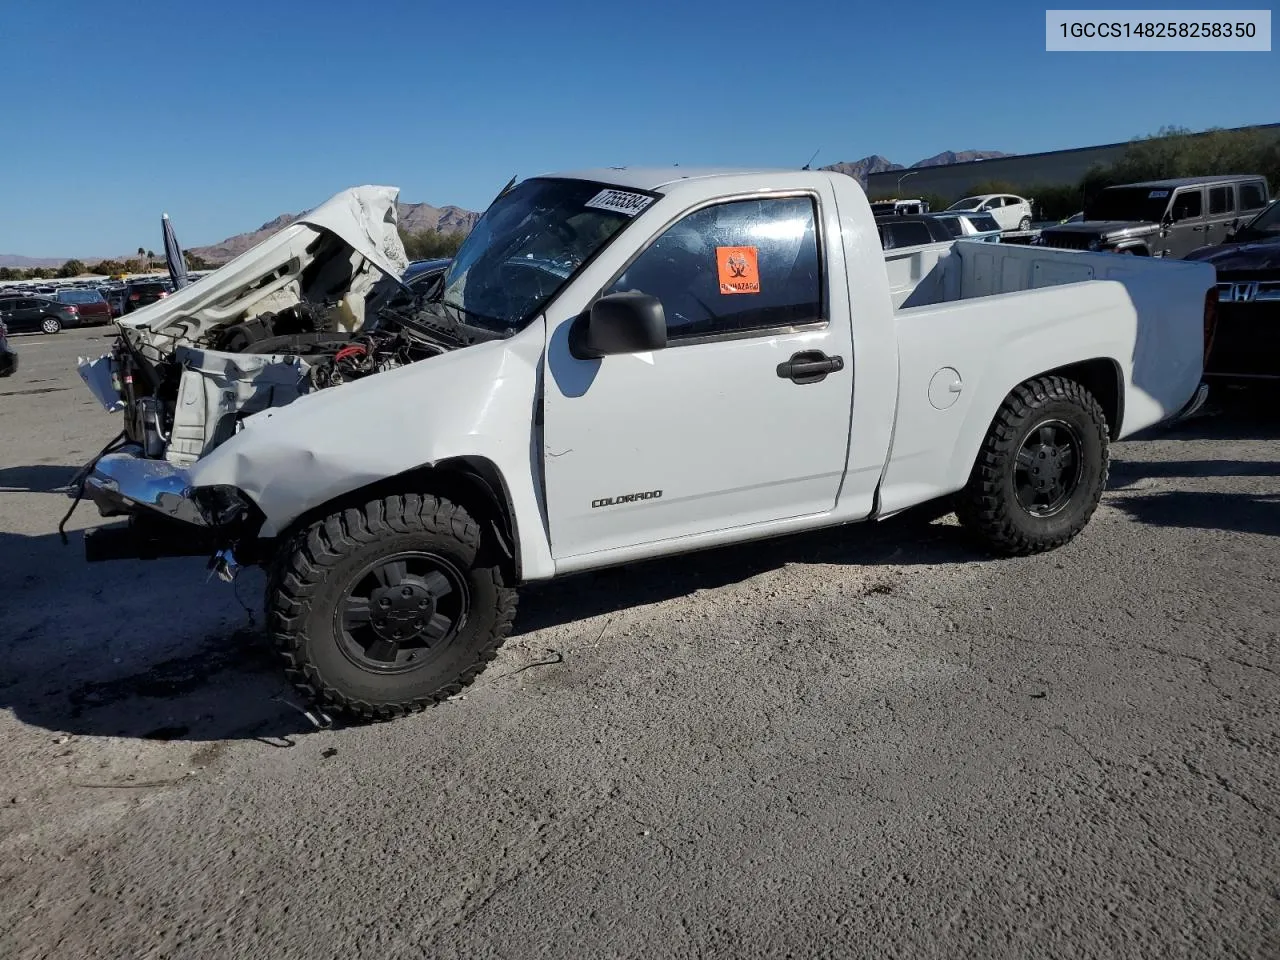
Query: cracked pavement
(866, 742)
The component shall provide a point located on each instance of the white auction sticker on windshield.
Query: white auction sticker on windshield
(620, 201)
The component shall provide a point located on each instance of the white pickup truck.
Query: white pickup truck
(620, 364)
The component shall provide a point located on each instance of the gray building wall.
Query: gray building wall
(1056, 168)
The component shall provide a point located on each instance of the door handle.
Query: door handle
(809, 366)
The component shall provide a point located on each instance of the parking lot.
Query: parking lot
(872, 741)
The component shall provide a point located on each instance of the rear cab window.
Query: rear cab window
(734, 268)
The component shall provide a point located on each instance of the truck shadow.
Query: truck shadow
(152, 651)
(1229, 512)
(1125, 473)
(1236, 415)
(38, 478)
(149, 651)
(907, 539)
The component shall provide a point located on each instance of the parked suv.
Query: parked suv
(1163, 218)
(37, 313)
(1246, 342)
(92, 308)
(139, 293)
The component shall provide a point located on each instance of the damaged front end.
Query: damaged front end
(166, 515)
(314, 306)
(288, 316)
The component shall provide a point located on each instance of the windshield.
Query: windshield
(984, 221)
(527, 246)
(78, 296)
(968, 203)
(1129, 203)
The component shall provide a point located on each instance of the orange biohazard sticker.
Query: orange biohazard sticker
(739, 272)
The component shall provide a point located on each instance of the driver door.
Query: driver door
(1188, 230)
(717, 430)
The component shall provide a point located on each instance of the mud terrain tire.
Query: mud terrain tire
(1041, 470)
(386, 609)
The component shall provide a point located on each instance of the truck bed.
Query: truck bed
(982, 314)
(965, 269)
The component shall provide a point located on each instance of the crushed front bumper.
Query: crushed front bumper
(125, 482)
(166, 516)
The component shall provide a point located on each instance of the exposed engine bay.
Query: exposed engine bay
(315, 306)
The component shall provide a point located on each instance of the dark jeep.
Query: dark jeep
(1163, 218)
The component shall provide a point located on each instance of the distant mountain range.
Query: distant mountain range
(416, 217)
(413, 217)
(17, 260)
(861, 169)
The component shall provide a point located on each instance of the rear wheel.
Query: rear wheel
(1041, 470)
(50, 325)
(388, 608)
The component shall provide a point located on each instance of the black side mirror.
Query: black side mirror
(620, 323)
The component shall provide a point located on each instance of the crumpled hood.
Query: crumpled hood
(1258, 255)
(266, 276)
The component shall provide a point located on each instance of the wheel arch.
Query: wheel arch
(1100, 375)
(474, 483)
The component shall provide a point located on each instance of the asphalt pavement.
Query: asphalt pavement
(870, 742)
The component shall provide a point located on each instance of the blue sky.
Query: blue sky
(228, 113)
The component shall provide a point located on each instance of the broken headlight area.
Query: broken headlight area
(165, 515)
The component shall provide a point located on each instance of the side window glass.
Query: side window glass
(1220, 200)
(743, 265)
(1252, 196)
(1187, 205)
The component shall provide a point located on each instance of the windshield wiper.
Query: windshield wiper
(498, 322)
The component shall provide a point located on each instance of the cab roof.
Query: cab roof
(1194, 181)
(655, 179)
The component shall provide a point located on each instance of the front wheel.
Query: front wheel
(1024, 223)
(1041, 470)
(389, 608)
(50, 325)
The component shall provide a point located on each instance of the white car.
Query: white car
(619, 364)
(1011, 212)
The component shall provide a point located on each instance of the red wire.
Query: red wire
(350, 351)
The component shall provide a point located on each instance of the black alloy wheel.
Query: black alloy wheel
(399, 612)
(1048, 467)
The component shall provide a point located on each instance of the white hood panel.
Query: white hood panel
(268, 276)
